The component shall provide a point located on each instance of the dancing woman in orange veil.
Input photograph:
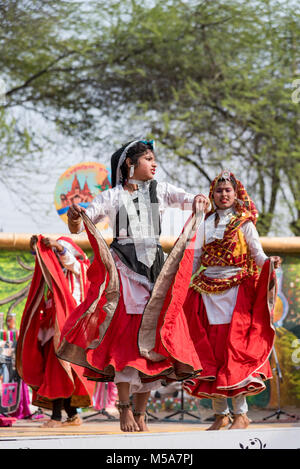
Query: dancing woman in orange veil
(229, 304)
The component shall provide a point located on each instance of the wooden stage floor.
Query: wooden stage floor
(100, 433)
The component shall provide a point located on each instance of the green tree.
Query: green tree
(222, 93)
(212, 81)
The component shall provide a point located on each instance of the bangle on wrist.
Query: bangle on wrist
(61, 253)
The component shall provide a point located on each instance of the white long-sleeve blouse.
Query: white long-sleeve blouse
(219, 307)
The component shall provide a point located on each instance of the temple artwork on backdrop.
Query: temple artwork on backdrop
(80, 184)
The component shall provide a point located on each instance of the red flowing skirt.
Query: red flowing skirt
(101, 337)
(57, 383)
(49, 377)
(234, 356)
(119, 348)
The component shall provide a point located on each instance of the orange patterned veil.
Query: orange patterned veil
(244, 205)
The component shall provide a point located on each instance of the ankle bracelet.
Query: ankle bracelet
(123, 405)
(136, 413)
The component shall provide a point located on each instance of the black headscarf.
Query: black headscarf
(143, 146)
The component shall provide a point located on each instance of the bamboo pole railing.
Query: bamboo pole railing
(20, 241)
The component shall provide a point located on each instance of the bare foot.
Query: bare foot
(240, 421)
(51, 424)
(220, 422)
(140, 420)
(127, 421)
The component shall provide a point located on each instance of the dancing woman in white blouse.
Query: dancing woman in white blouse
(134, 207)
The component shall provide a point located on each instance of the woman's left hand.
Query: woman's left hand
(277, 261)
(50, 243)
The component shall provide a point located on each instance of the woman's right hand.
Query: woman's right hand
(33, 241)
(74, 212)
